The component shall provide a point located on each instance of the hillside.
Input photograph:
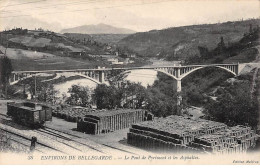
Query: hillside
(183, 42)
(24, 60)
(42, 50)
(47, 41)
(101, 38)
(97, 29)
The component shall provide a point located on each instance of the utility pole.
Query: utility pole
(24, 94)
(35, 85)
(6, 86)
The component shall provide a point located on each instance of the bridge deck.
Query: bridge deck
(129, 68)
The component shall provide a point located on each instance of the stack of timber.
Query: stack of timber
(111, 120)
(232, 140)
(181, 134)
(72, 114)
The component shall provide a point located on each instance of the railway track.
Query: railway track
(59, 140)
(25, 141)
(62, 138)
(120, 149)
(26, 145)
(4, 115)
(58, 132)
(68, 137)
(62, 132)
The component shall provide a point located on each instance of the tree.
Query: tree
(107, 97)
(141, 96)
(134, 95)
(250, 28)
(160, 104)
(5, 71)
(204, 52)
(48, 94)
(221, 46)
(79, 95)
(235, 106)
(222, 42)
(160, 98)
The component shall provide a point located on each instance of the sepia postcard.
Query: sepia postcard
(130, 82)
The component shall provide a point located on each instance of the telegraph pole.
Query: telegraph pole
(35, 85)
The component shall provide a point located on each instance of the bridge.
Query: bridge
(100, 75)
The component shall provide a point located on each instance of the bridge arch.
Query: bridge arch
(74, 74)
(87, 77)
(202, 67)
(152, 69)
(15, 82)
(227, 70)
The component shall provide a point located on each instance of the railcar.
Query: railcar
(29, 113)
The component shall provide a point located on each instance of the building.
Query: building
(75, 51)
(128, 61)
(113, 60)
(132, 55)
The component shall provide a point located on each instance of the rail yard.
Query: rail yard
(57, 136)
(77, 130)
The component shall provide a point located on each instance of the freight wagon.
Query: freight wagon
(29, 114)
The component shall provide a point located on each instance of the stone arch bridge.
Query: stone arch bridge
(100, 75)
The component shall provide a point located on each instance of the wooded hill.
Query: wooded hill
(182, 42)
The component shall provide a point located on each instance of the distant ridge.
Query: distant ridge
(98, 29)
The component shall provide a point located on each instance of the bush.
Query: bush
(235, 106)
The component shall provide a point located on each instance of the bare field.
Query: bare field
(24, 60)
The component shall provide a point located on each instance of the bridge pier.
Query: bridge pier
(239, 68)
(178, 90)
(15, 77)
(177, 87)
(101, 77)
(12, 78)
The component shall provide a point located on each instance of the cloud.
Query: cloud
(29, 23)
(52, 15)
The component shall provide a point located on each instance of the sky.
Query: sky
(138, 15)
